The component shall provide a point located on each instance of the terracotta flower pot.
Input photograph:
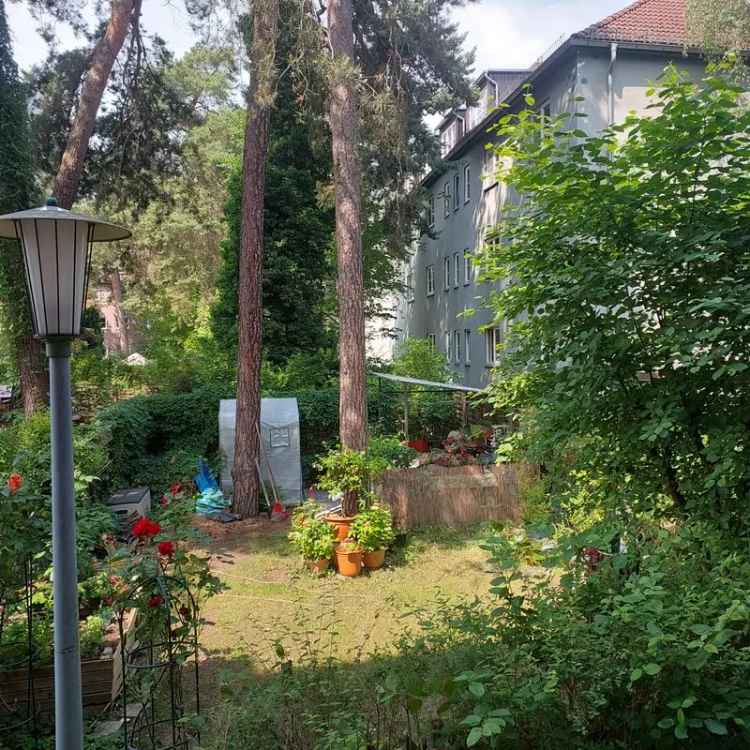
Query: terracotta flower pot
(349, 562)
(341, 524)
(318, 566)
(374, 560)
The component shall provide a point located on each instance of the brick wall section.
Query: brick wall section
(457, 496)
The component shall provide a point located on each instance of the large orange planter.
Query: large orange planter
(349, 562)
(374, 560)
(341, 524)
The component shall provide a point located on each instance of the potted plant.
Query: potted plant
(314, 541)
(373, 530)
(349, 558)
(348, 474)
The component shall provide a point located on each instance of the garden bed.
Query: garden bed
(454, 496)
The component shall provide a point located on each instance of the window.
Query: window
(447, 273)
(432, 339)
(448, 345)
(467, 267)
(456, 191)
(489, 165)
(467, 183)
(457, 345)
(467, 347)
(447, 199)
(493, 338)
(431, 212)
(430, 280)
(456, 269)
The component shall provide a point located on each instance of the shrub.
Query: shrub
(313, 539)
(346, 472)
(391, 451)
(373, 528)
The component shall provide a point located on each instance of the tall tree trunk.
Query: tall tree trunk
(348, 183)
(123, 339)
(250, 308)
(102, 59)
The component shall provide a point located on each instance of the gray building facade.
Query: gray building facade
(611, 66)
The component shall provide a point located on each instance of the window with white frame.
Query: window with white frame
(467, 183)
(467, 267)
(433, 340)
(456, 191)
(430, 271)
(431, 212)
(467, 346)
(448, 340)
(457, 346)
(493, 337)
(456, 269)
(447, 273)
(447, 199)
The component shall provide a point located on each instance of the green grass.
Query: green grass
(271, 598)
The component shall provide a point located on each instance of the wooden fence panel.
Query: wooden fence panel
(454, 496)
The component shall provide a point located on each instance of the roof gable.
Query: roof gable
(649, 21)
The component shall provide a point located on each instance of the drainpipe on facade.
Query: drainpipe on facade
(611, 82)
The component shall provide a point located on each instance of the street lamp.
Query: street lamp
(56, 247)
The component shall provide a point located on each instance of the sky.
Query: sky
(505, 33)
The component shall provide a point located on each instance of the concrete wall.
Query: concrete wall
(583, 72)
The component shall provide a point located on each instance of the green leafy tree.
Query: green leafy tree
(631, 278)
(17, 191)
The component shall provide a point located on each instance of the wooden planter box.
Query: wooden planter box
(101, 682)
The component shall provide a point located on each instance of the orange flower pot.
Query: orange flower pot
(374, 560)
(341, 524)
(318, 566)
(349, 562)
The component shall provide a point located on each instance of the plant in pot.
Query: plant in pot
(373, 530)
(348, 474)
(314, 541)
(349, 558)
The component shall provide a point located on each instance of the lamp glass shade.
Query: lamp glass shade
(56, 257)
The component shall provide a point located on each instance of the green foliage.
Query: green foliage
(372, 529)
(344, 471)
(156, 440)
(431, 415)
(391, 451)
(313, 539)
(631, 276)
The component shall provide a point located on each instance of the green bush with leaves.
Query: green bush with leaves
(313, 539)
(373, 528)
(391, 451)
(631, 269)
(344, 471)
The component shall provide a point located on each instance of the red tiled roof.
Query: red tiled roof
(650, 21)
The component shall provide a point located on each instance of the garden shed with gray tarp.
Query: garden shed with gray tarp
(280, 459)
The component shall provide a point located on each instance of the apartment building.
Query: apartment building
(611, 65)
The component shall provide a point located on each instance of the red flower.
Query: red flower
(164, 501)
(166, 548)
(155, 601)
(175, 489)
(15, 482)
(145, 527)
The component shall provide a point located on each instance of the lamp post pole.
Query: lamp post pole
(68, 701)
(56, 245)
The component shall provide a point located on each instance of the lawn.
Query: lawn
(271, 598)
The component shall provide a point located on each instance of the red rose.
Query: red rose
(15, 482)
(155, 601)
(175, 489)
(166, 548)
(145, 527)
